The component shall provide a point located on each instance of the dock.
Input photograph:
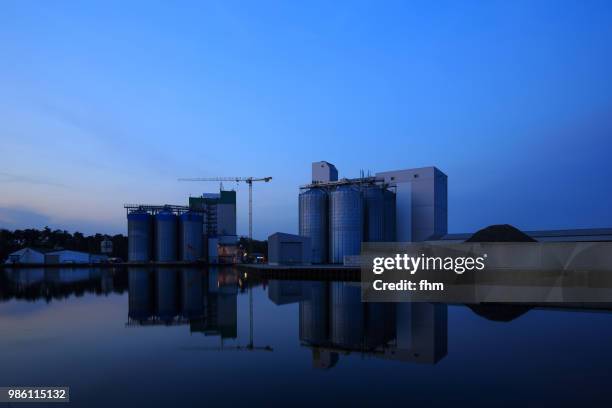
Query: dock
(303, 272)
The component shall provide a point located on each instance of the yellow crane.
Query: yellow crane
(248, 180)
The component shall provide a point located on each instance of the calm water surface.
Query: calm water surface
(180, 336)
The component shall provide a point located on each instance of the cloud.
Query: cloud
(16, 178)
(18, 218)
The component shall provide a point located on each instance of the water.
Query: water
(184, 337)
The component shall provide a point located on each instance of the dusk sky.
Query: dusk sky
(106, 103)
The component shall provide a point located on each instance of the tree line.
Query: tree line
(48, 239)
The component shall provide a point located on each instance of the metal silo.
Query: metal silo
(190, 233)
(374, 210)
(313, 222)
(139, 236)
(165, 236)
(345, 223)
(390, 234)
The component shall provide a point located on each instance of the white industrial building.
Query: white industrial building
(323, 172)
(26, 256)
(68, 256)
(288, 249)
(421, 203)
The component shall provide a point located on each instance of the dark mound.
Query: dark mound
(500, 233)
(499, 312)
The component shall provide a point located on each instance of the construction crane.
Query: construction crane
(248, 180)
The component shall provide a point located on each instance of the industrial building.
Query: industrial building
(393, 206)
(26, 256)
(220, 238)
(570, 235)
(68, 256)
(289, 249)
(203, 231)
(161, 233)
(45, 256)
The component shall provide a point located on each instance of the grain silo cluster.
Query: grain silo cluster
(164, 234)
(338, 216)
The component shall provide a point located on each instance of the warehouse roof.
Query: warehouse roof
(565, 235)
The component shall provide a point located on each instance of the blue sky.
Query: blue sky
(106, 103)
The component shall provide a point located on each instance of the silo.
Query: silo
(345, 223)
(374, 211)
(139, 236)
(390, 235)
(165, 236)
(313, 222)
(190, 234)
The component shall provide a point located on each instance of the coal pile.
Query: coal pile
(500, 233)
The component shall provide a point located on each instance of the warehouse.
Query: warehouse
(288, 249)
(26, 256)
(68, 256)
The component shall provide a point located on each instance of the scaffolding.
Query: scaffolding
(155, 209)
(360, 181)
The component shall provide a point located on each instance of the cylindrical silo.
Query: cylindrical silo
(139, 236)
(345, 223)
(165, 236)
(313, 222)
(374, 211)
(190, 233)
(390, 235)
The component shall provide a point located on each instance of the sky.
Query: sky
(107, 103)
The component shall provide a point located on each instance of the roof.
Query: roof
(67, 251)
(285, 236)
(22, 250)
(39, 250)
(565, 235)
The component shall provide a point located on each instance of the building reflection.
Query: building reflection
(59, 283)
(334, 322)
(207, 302)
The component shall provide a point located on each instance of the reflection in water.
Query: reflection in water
(333, 320)
(175, 296)
(329, 327)
(59, 283)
